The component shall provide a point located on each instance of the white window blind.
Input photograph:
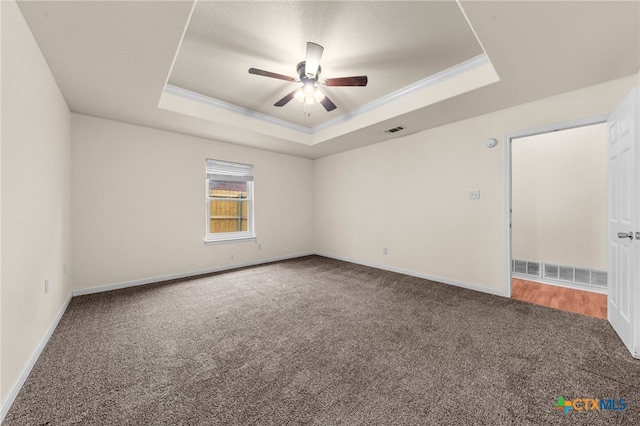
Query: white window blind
(223, 170)
(229, 206)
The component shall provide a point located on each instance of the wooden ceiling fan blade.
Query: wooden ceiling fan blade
(360, 80)
(286, 99)
(264, 73)
(312, 62)
(328, 104)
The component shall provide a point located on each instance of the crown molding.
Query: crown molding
(438, 78)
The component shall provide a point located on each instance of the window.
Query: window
(229, 201)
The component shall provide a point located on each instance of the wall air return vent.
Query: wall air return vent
(582, 276)
(526, 267)
(559, 273)
(599, 278)
(551, 271)
(394, 130)
(566, 273)
(533, 269)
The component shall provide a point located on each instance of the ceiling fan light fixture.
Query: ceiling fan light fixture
(318, 95)
(308, 88)
(309, 94)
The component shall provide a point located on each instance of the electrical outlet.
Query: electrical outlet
(232, 256)
(46, 286)
(259, 246)
(384, 250)
(474, 194)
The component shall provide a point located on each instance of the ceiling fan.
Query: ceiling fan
(309, 75)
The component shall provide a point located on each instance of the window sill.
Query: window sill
(229, 240)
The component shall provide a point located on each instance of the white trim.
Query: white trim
(451, 72)
(6, 405)
(508, 138)
(230, 240)
(507, 214)
(15, 389)
(229, 237)
(157, 279)
(454, 71)
(409, 272)
(207, 100)
(573, 124)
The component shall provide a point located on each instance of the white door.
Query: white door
(624, 222)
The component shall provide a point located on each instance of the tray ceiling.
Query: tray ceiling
(395, 45)
(183, 66)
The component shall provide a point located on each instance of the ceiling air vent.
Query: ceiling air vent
(394, 130)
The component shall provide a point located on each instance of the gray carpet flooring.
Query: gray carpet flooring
(322, 342)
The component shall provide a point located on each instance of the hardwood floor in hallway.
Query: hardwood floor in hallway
(565, 299)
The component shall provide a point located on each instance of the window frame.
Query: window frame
(246, 171)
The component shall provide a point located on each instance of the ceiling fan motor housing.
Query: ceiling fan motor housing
(303, 74)
(310, 93)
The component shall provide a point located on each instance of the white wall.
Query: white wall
(35, 198)
(2, 398)
(411, 194)
(139, 204)
(560, 197)
(136, 196)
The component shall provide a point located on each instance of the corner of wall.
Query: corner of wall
(35, 223)
(1, 133)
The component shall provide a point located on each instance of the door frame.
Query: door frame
(508, 138)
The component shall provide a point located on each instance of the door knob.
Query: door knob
(625, 235)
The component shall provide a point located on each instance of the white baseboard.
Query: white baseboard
(6, 404)
(34, 357)
(420, 275)
(157, 279)
(135, 283)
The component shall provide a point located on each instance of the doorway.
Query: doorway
(558, 212)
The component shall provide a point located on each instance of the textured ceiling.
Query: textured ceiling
(113, 59)
(394, 44)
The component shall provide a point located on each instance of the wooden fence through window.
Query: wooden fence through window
(228, 215)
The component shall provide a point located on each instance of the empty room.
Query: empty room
(308, 212)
